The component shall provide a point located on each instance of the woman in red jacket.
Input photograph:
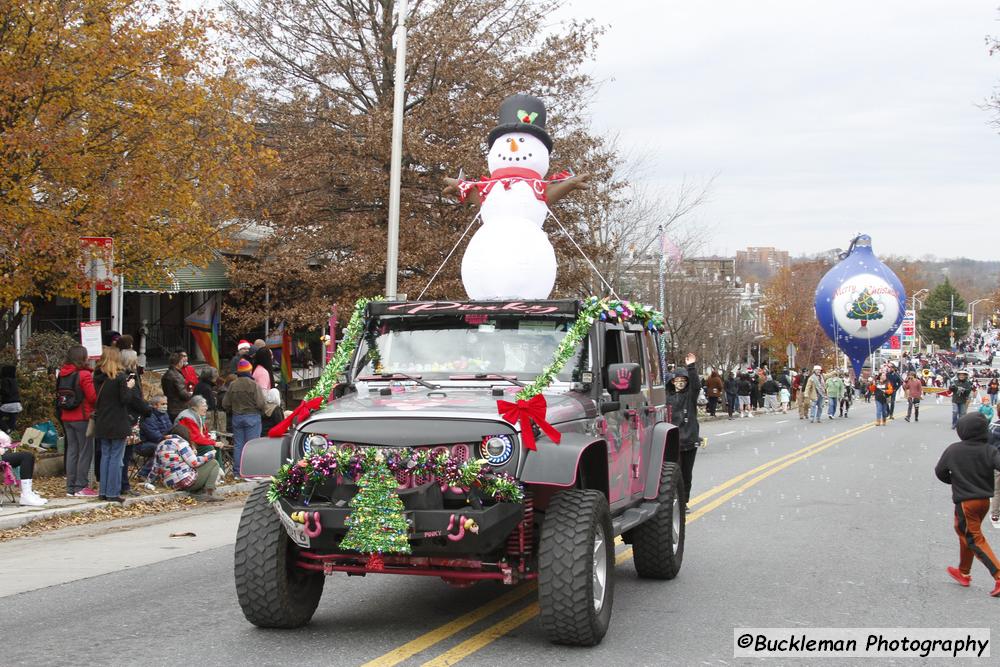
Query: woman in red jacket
(193, 419)
(75, 391)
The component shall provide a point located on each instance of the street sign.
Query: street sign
(908, 327)
(790, 351)
(96, 262)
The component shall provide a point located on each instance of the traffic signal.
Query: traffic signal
(970, 318)
(933, 324)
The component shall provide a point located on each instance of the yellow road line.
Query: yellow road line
(490, 634)
(497, 630)
(425, 641)
(735, 480)
(778, 468)
(519, 618)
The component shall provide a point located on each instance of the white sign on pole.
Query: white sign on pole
(90, 338)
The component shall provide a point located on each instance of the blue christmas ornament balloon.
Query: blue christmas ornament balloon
(860, 302)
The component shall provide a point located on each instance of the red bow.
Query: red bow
(305, 409)
(528, 412)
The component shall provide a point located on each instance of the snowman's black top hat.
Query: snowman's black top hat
(522, 113)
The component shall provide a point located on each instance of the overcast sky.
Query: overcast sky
(820, 119)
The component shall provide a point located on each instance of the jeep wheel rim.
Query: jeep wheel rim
(600, 569)
(675, 521)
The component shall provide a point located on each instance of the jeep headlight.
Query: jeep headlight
(313, 443)
(497, 449)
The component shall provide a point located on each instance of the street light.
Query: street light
(972, 312)
(396, 157)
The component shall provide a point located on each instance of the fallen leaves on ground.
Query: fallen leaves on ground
(110, 513)
(55, 487)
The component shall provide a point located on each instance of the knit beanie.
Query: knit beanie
(244, 366)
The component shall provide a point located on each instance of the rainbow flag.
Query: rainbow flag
(204, 325)
(280, 344)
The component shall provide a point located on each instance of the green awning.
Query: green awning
(211, 278)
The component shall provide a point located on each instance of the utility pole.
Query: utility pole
(392, 252)
(93, 289)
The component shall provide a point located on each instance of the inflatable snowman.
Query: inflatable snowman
(509, 256)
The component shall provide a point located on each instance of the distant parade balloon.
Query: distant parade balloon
(860, 302)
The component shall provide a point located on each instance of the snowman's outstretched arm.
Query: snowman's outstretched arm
(556, 191)
(451, 189)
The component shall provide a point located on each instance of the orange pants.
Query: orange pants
(969, 516)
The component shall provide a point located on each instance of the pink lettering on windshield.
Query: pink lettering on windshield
(438, 306)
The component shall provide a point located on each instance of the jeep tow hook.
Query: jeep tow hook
(308, 527)
(457, 526)
(462, 525)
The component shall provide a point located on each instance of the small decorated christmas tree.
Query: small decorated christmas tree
(376, 524)
(864, 308)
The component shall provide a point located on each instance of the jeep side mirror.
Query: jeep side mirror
(623, 379)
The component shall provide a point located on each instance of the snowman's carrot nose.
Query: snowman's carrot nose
(513, 145)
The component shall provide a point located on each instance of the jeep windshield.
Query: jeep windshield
(463, 347)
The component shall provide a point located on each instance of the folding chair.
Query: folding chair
(11, 484)
(138, 462)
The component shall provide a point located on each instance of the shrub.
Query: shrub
(46, 350)
(38, 397)
(42, 354)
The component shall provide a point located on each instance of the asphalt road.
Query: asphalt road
(853, 532)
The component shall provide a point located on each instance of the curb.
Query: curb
(22, 520)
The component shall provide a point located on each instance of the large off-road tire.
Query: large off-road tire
(273, 593)
(576, 568)
(658, 543)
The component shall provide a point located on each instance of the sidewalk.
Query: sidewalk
(90, 550)
(13, 515)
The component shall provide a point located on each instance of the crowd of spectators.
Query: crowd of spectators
(116, 433)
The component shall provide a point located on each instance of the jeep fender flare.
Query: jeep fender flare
(666, 448)
(262, 457)
(560, 465)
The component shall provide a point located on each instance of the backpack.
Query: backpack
(69, 394)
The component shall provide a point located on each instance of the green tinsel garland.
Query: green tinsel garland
(377, 524)
(333, 370)
(297, 478)
(607, 309)
(611, 310)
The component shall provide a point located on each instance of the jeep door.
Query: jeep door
(645, 408)
(613, 425)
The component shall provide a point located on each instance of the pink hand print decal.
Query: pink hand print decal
(622, 379)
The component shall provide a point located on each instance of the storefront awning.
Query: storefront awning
(211, 278)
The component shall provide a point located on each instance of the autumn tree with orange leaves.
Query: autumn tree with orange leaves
(791, 317)
(118, 118)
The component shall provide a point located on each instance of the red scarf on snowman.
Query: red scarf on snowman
(507, 177)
